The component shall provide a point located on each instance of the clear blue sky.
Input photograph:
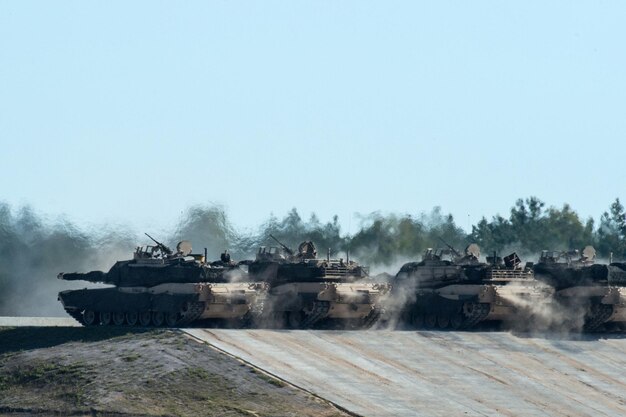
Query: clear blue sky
(130, 112)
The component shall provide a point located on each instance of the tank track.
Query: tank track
(254, 315)
(478, 313)
(193, 312)
(320, 310)
(599, 314)
(247, 321)
(76, 315)
(372, 317)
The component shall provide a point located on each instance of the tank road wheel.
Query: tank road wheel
(295, 319)
(158, 318)
(105, 318)
(90, 318)
(275, 320)
(144, 318)
(119, 318)
(171, 319)
(443, 321)
(456, 321)
(416, 320)
(430, 321)
(132, 318)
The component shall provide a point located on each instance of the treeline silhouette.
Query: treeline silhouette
(382, 238)
(33, 251)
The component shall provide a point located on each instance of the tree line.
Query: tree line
(382, 238)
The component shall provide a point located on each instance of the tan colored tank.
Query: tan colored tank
(159, 287)
(450, 290)
(306, 291)
(593, 296)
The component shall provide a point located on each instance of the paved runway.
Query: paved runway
(403, 373)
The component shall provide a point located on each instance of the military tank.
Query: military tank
(306, 291)
(162, 287)
(592, 295)
(447, 289)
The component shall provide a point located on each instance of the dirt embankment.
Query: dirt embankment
(115, 372)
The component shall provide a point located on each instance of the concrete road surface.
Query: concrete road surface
(402, 373)
(38, 322)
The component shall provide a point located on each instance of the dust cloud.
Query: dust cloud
(33, 251)
(543, 312)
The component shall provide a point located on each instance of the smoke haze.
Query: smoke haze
(33, 252)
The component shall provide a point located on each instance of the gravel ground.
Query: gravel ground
(119, 372)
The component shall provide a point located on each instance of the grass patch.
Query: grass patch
(269, 379)
(198, 373)
(65, 381)
(76, 398)
(15, 339)
(131, 357)
(42, 373)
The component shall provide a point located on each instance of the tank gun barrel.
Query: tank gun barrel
(93, 276)
(285, 247)
(160, 245)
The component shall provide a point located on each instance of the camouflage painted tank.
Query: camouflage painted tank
(592, 294)
(159, 287)
(305, 291)
(448, 289)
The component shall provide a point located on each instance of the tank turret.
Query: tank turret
(152, 266)
(563, 269)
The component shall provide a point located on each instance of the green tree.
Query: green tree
(565, 230)
(440, 226)
(375, 242)
(292, 230)
(530, 228)
(612, 232)
(494, 235)
(528, 223)
(382, 239)
(206, 227)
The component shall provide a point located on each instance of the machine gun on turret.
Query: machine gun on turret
(285, 247)
(454, 251)
(161, 246)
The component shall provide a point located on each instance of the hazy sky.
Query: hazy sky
(130, 112)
